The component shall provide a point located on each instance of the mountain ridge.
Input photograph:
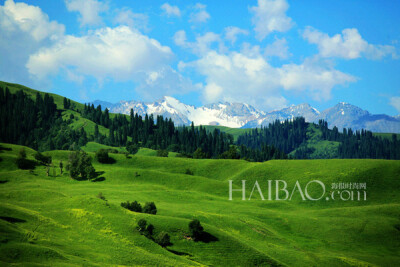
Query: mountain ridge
(243, 115)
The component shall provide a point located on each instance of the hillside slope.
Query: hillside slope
(54, 220)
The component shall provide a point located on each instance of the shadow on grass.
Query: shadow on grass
(206, 238)
(12, 219)
(3, 181)
(98, 179)
(25, 164)
(5, 148)
(109, 160)
(179, 253)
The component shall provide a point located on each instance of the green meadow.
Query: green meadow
(58, 221)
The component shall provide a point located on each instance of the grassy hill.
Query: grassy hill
(55, 220)
(58, 100)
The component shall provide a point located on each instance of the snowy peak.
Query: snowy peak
(242, 115)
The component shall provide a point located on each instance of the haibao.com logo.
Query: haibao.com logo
(313, 190)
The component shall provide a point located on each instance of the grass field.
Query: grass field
(57, 221)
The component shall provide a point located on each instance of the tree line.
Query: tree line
(161, 134)
(291, 135)
(37, 123)
(361, 144)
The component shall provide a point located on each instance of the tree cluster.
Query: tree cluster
(35, 122)
(80, 165)
(285, 136)
(361, 144)
(135, 206)
(103, 157)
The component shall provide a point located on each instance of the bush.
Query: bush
(232, 153)
(145, 229)
(141, 225)
(163, 239)
(183, 155)
(24, 163)
(43, 159)
(199, 154)
(150, 208)
(132, 148)
(149, 230)
(162, 153)
(195, 229)
(101, 196)
(173, 148)
(103, 157)
(189, 172)
(134, 206)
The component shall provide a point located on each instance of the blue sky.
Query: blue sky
(268, 53)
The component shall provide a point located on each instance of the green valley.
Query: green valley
(56, 220)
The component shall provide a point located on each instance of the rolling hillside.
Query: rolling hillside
(55, 220)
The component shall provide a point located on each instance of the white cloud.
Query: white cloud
(108, 53)
(200, 15)
(213, 92)
(89, 10)
(134, 20)
(248, 77)
(171, 11)
(30, 20)
(103, 53)
(348, 45)
(231, 33)
(23, 30)
(203, 43)
(395, 102)
(270, 16)
(278, 48)
(180, 38)
(314, 77)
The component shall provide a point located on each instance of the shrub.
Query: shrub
(101, 196)
(24, 163)
(232, 153)
(162, 153)
(163, 239)
(22, 153)
(173, 148)
(150, 208)
(145, 229)
(141, 225)
(42, 159)
(132, 148)
(199, 154)
(195, 229)
(189, 171)
(149, 230)
(134, 206)
(183, 155)
(103, 157)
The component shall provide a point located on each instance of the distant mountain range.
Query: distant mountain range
(241, 115)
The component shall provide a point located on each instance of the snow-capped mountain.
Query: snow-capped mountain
(241, 115)
(233, 115)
